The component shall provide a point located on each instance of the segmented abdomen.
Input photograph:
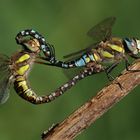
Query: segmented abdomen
(22, 88)
(22, 62)
(79, 62)
(21, 66)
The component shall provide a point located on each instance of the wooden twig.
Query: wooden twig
(96, 107)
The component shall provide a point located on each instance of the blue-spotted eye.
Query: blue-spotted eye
(131, 45)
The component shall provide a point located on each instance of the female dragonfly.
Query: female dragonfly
(15, 70)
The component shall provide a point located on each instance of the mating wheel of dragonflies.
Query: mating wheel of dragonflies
(108, 49)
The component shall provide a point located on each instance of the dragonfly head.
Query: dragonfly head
(132, 46)
(32, 45)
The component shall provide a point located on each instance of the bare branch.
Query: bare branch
(96, 107)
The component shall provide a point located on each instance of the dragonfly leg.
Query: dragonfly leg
(45, 63)
(57, 63)
(108, 71)
(127, 64)
(109, 76)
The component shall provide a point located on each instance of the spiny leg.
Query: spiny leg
(108, 71)
(56, 63)
(109, 76)
(127, 64)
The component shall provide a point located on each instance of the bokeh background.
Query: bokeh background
(64, 23)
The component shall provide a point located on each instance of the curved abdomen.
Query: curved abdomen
(22, 63)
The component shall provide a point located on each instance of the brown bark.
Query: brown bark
(96, 107)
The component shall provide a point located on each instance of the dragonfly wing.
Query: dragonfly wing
(4, 78)
(80, 52)
(102, 30)
(4, 91)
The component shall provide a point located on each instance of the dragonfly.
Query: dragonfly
(107, 50)
(14, 70)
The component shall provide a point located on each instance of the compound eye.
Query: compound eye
(33, 45)
(138, 44)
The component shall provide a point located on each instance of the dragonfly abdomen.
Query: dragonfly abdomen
(22, 63)
(81, 61)
(23, 90)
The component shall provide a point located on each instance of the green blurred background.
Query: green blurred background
(64, 23)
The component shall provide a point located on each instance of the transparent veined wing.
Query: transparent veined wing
(100, 32)
(4, 91)
(4, 78)
(103, 30)
(80, 52)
